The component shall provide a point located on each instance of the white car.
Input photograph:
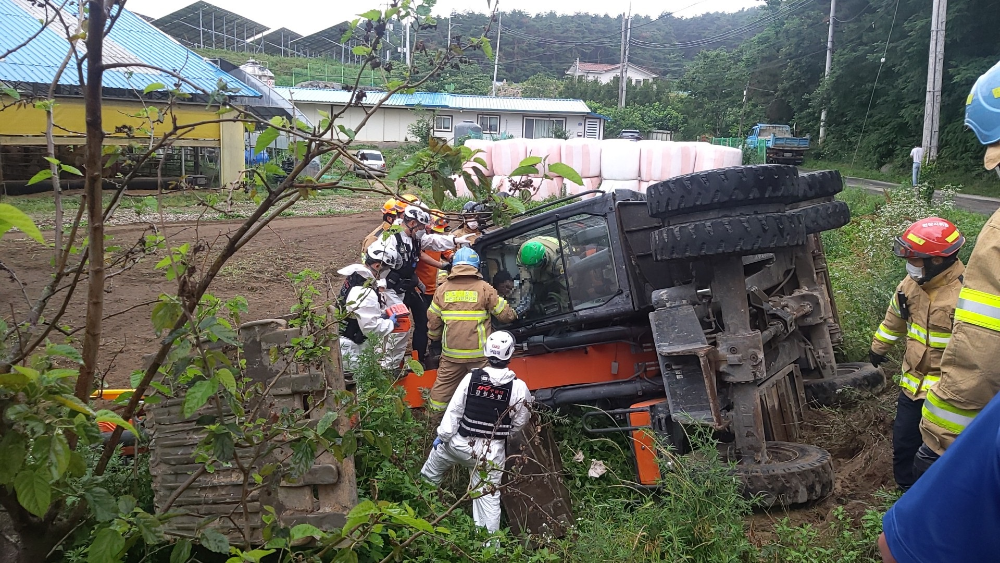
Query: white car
(372, 163)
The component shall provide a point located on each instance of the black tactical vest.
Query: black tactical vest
(487, 408)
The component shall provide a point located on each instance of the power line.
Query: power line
(874, 86)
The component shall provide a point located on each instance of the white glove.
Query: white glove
(464, 240)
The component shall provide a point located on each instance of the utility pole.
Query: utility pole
(449, 31)
(935, 67)
(829, 66)
(406, 30)
(623, 73)
(744, 110)
(496, 53)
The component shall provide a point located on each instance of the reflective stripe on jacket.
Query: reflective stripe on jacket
(927, 330)
(970, 367)
(459, 315)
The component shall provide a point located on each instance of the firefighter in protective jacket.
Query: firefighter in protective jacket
(363, 305)
(458, 323)
(489, 405)
(970, 370)
(920, 312)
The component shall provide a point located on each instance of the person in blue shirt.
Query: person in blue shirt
(952, 513)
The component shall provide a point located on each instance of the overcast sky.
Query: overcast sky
(308, 16)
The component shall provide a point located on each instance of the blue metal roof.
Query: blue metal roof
(440, 100)
(132, 39)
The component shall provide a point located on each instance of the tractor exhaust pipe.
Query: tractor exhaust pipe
(638, 388)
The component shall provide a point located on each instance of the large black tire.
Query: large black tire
(824, 183)
(725, 187)
(824, 216)
(747, 234)
(828, 391)
(794, 474)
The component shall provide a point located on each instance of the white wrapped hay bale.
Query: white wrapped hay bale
(584, 156)
(588, 185)
(507, 155)
(661, 160)
(620, 160)
(486, 153)
(612, 185)
(550, 150)
(710, 157)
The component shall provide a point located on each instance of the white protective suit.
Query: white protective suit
(396, 342)
(478, 454)
(363, 305)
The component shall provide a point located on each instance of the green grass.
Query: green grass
(971, 181)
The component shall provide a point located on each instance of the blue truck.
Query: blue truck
(782, 146)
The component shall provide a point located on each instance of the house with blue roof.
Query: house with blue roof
(530, 118)
(213, 152)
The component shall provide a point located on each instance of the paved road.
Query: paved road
(974, 203)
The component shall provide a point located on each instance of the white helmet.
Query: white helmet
(414, 213)
(378, 251)
(499, 345)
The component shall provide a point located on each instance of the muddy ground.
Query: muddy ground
(858, 435)
(257, 272)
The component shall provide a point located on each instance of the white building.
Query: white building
(531, 118)
(605, 73)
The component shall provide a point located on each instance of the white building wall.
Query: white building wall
(391, 124)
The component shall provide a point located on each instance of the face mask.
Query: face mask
(915, 272)
(473, 225)
(419, 233)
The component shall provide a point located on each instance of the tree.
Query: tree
(50, 486)
(542, 86)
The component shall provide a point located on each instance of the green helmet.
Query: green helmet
(532, 254)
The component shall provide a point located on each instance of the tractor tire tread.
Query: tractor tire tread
(824, 216)
(737, 186)
(746, 234)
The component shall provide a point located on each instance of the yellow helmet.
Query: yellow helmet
(438, 221)
(393, 206)
(410, 199)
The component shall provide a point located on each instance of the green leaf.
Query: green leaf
(33, 491)
(14, 381)
(44, 174)
(52, 160)
(71, 402)
(227, 380)
(12, 452)
(65, 351)
(70, 169)
(153, 87)
(524, 171)
(415, 366)
(530, 161)
(11, 216)
(102, 504)
(418, 523)
(59, 454)
(324, 423)
(150, 528)
(348, 132)
(267, 136)
(126, 504)
(361, 50)
(212, 540)
(198, 395)
(566, 171)
(105, 415)
(515, 204)
(165, 315)
(107, 544)
(12, 93)
(484, 42)
(371, 15)
(181, 551)
(305, 531)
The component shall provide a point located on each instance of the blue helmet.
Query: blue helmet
(466, 255)
(982, 108)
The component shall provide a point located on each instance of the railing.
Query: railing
(751, 155)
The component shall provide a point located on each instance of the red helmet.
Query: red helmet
(928, 238)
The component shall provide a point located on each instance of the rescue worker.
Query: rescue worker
(390, 212)
(470, 220)
(921, 312)
(432, 263)
(458, 323)
(402, 283)
(489, 405)
(543, 281)
(970, 370)
(363, 304)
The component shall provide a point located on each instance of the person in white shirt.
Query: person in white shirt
(489, 405)
(363, 304)
(917, 154)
